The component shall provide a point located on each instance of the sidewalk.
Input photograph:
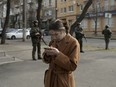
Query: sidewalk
(4, 58)
(18, 46)
(99, 36)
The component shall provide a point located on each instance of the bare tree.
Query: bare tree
(6, 23)
(96, 9)
(38, 12)
(81, 17)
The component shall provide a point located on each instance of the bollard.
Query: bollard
(13, 58)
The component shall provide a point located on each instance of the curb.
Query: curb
(8, 59)
(100, 38)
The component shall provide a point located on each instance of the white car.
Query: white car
(18, 33)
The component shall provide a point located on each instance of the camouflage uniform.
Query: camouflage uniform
(36, 42)
(107, 35)
(79, 36)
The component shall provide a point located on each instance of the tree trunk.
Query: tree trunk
(24, 20)
(6, 23)
(38, 12)
(78, 20)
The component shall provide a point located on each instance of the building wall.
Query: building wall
(67, 10)
(88, 24)
(103, 7)
(48, 9)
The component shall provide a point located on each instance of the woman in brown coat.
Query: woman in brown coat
(62, 55)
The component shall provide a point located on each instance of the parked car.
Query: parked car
(7, 30)
(10, 29)
(17, 33)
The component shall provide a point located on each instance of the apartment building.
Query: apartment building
(48, 12)
(100, 13)
(16, 13)
(67, 10)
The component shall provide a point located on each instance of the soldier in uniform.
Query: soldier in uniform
(36, 34)
(107, 35)
(79, 36)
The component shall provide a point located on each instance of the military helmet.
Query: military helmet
(35, 21)
(106, 26)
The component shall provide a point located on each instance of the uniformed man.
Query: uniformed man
(107, 35)
(79, 36)
(35, 34)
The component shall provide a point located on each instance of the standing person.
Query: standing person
(62, 55)
(35, 34)
(107, 35)
(79, 36)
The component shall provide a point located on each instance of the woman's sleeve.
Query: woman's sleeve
(69, 62)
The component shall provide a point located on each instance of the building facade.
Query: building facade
(48, 12)
(100, 13)
(67, 10)
(16, 13)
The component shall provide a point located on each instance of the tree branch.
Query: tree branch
(81, 17)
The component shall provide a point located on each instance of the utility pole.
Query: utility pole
(24, 20)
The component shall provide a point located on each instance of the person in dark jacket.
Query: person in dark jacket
(36, 34)
(107, 35)
(79, 36)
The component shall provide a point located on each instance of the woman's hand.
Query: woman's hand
(51, 51)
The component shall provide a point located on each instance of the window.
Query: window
(50, 3)
(46, 13)
(50, 12)
(106, 5)
(71, 8)
(65, 10)
(81, 7)
(61, 10)
(112, 2)
(20, 31)
(63, 0)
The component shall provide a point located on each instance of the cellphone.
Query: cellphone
(48, 48)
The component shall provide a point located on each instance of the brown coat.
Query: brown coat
(59, 73)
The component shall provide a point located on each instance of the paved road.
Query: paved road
(96, 67)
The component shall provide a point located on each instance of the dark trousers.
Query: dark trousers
(36, 46)
(81, 44)
(107, 40)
